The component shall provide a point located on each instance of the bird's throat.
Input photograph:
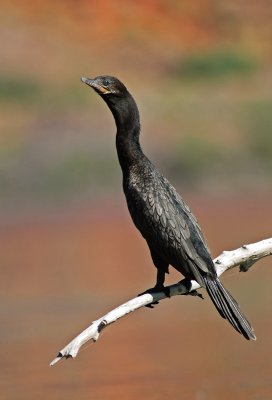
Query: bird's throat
(128, 147)
(127, 121)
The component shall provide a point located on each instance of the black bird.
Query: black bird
(164, 220)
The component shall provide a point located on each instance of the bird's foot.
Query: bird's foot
(187, 283)
(156, 289)
(195, 293)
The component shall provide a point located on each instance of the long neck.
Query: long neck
(126, 115)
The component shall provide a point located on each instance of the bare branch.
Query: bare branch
(244, 257)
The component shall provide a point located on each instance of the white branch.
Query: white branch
(244, 257)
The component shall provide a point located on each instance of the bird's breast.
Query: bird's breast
(152, 210)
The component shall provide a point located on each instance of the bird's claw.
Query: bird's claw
(195, 293)
(152, 305)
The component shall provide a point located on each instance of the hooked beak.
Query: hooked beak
(96, 86)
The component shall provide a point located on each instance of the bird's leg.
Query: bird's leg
(159, 287)
(162, 269)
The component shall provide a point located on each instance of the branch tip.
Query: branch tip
(57, 359)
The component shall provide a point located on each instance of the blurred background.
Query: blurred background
(201, 75)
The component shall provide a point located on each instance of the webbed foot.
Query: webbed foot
(156, 289)
(187, 283)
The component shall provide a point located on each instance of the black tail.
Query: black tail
(228, 308)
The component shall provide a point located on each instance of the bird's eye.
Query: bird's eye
(106, 82)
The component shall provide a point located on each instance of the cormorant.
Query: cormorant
(161, 215)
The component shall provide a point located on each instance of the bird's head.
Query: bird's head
(118, 99)
(107, 86)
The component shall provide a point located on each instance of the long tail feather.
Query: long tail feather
(228, 307)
